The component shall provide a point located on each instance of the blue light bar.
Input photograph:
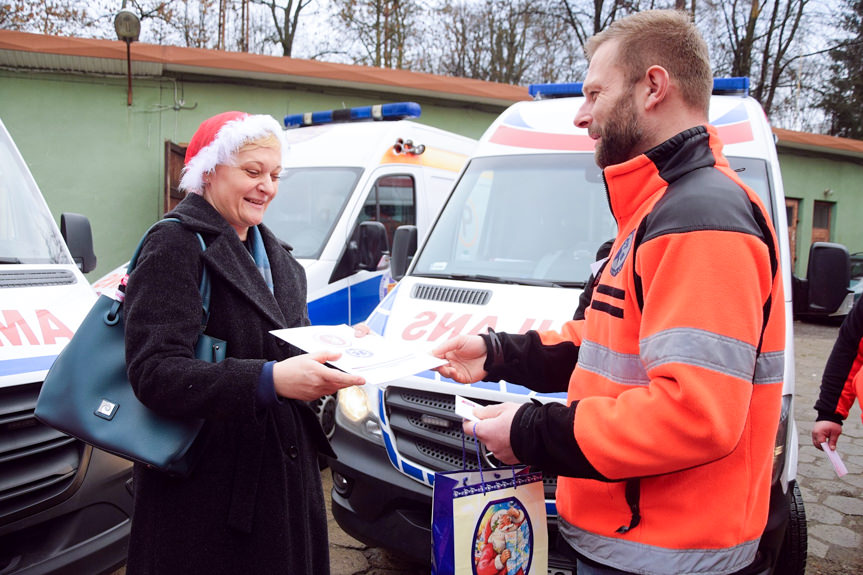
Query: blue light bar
(545, 91)
(725, 86)
(393, 111)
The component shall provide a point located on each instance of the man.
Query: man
(674, 377)
(842, 380)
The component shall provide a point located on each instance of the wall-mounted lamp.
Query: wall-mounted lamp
(828, 192)
(128, 28)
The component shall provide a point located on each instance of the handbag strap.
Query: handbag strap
(204, 287)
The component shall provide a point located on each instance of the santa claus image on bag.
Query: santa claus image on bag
(503, 545)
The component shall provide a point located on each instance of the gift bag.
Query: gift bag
(489, 522)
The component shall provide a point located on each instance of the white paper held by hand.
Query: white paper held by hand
(464, 408)
(834, 459)
(376, 359)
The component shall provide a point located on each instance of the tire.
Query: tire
(792, 556)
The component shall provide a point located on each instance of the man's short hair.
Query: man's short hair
(666, 38)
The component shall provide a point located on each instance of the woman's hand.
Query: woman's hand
(305, 377)
(828, 431)
(466, 356)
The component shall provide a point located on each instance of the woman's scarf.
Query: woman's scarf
(259, 254)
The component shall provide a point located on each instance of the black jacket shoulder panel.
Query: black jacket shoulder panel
(703, 199)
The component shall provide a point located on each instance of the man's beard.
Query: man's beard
(621, 136)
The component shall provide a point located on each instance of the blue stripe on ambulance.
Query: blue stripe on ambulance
(26, 365)
(377, 322)
(332, 309)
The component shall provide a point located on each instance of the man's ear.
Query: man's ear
(657, 81)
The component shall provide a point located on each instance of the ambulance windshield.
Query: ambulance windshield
(522, 219)
(308, 205)
(27, 232)
(534, 219)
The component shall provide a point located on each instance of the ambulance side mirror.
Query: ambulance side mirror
(828, 276)
(372, 244)
(404, 248)
(75, 229)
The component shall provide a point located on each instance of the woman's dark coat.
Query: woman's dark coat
(254, 501)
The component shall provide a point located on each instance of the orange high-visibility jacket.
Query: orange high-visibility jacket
(665, 450)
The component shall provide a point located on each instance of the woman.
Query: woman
(253, 502)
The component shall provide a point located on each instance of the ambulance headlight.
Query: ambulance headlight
(356, 413)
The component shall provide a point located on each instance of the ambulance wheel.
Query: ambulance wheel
(792, 556)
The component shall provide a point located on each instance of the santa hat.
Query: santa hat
(218, 139)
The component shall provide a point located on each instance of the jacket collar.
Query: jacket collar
(227, 257)
(632, 183)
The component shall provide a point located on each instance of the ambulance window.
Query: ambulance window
(309, 203)
(391, 201)
(27, 232)
(538, 217)
(755, 174)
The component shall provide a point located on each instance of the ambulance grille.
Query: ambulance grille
(37, 463)
(35, 278)
(451, 295)
(427, 432)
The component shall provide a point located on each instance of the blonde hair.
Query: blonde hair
(267, 141)
(666, 38)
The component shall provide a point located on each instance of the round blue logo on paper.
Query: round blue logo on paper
(622, 253)
(358, 352)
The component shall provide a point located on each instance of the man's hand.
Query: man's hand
(493, 429)
(466, 356)
(828, 431)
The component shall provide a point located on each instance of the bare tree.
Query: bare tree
(761, 37)
(286, 19)
(55, 17)
(385, 30)
(504, 41)
(587, 17)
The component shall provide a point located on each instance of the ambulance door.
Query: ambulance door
(391, 199)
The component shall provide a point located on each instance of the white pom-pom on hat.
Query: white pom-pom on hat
(218, 139)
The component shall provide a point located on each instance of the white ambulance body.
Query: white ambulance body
(63, 505)
(340, 174)
(512, 250)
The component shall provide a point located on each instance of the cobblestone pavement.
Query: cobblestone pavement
(834, 506)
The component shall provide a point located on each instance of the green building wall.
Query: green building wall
(91, 153)
(835, 179)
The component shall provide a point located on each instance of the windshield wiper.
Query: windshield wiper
(9, 260)
(493, 279)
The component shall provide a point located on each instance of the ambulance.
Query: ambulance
(351, 177)
(64, 507)
(511, 250)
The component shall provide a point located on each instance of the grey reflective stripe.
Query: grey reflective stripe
(770, 367)
(652, 560)
(702, 349)
(622, 368)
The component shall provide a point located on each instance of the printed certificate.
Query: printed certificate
(372, 357)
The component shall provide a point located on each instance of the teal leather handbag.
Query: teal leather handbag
(87, 393)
